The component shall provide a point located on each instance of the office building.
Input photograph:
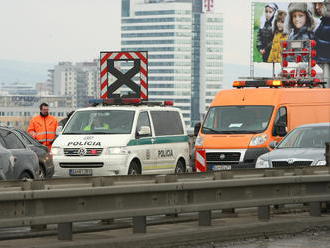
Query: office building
(184, 43)
(79, 80)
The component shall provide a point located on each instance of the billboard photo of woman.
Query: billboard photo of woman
(265, 34)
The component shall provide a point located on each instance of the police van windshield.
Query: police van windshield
(237, 119)
(100, 122)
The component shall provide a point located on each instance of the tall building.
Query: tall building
(80, 80)
(184, 43)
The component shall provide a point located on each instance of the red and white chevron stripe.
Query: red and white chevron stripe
(200, 160)
(142, 56)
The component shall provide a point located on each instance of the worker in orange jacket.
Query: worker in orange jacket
(43, 127)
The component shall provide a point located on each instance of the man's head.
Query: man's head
(44, 109)
(319, 9)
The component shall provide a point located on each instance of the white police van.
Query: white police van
(121, 140)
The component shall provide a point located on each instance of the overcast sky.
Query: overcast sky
(77, 30)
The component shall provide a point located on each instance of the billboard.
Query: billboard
(278, 21)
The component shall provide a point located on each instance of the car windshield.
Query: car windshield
(100, 122)
(307, 137)
(237, 119)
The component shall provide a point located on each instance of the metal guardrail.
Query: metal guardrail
(32, 203)
(72, 182)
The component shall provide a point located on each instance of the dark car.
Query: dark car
(303, 146)
(45, 158)
(17, 161)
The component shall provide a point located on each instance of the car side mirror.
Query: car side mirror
(144, 131)
(273, 144)
(59, 130)
(196, 128)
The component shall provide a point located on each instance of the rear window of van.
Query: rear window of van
(167, 123)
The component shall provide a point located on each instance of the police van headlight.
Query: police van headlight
(261, 163)
(116, 151)
(57, 151)
(258, 140)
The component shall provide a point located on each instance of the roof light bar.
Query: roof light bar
(168, 103)
(239, 83)
(279, 83)
(128, 101)
(257, 83)
(275, 83)
(115, 101)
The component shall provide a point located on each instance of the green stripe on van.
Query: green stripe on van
(158, 140)
(171, 139)
(143, 141)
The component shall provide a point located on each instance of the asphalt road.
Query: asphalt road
(294, 230)
(319, 238)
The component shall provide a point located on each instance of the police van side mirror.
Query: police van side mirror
(144, 131)
(196, 128)
(59, 130)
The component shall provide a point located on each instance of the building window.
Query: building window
(160, 12)
(149, 27)
(146, 20)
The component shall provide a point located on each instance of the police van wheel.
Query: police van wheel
(180, 168)
(133, 169)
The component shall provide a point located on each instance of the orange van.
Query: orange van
(241, 123)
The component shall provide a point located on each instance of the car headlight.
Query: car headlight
(258, 140)
(116, 151)
(262, 163)
(57, 151)
(319, 163)
(199, 141)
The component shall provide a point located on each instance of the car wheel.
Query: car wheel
(41, 172)
(133, 169)
(180, 168)
(25, 175)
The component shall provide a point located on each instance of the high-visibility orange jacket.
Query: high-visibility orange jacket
(43, 129)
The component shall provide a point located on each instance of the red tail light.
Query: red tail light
(168, 103)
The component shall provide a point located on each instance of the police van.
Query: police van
(122, 140)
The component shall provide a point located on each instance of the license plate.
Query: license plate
(221, 167)
(80, 172)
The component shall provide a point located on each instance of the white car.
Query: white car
(121, 140)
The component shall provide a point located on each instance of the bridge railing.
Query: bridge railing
(64, 201)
